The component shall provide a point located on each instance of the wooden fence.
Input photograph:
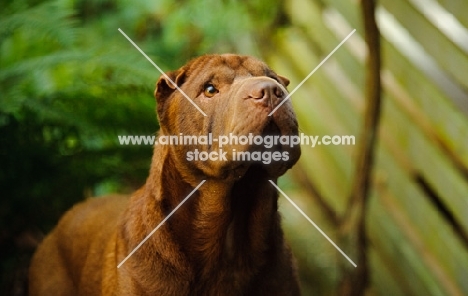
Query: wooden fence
(416, 217)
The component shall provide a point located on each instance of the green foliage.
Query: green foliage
(64, 100)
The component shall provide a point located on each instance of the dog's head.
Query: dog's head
(237, 94)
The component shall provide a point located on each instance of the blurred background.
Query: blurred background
(70, 83)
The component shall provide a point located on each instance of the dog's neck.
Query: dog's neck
(223, 224)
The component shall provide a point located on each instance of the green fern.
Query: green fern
(48, 21)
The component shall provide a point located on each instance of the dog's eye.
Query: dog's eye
(210, 90)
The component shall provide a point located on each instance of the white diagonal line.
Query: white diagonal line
(312, 222)
(159, 225)
(162, 72)
(313, 71)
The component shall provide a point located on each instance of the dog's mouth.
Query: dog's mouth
(271, 128)
(270, 136)
(265, 144)
(272, 157)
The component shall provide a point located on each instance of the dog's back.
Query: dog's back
(72, 252)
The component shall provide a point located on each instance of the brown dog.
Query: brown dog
(226, 239)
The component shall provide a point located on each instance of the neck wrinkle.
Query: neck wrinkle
(223, 223)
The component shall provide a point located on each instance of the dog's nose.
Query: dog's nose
(267, 92)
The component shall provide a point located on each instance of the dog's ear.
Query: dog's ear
(284, 80)
(167, 84)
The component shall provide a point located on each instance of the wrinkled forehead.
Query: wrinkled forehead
(226, 68)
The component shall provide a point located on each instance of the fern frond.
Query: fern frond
(58, 25)
(43, 62)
